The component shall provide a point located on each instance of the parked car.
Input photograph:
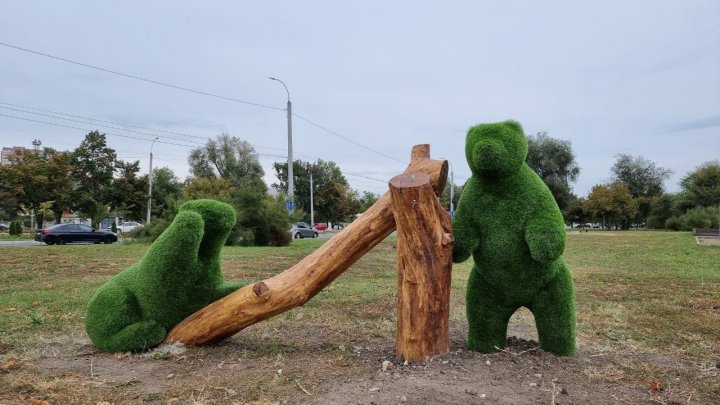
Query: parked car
(302, 230)
(69, 233)
(320, 226)
(4, 226)
(127, 226)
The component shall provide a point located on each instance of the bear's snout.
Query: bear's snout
(489, 156)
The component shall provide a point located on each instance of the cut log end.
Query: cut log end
(409, 180)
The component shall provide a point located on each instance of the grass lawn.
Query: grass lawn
(655, 294)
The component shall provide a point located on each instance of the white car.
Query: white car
(128, 226)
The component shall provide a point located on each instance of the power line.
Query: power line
(99, 120)
(348, 139)
(201, 92)
(89, 130)
(100, 125)
(126, 136)
(129, 76)
(364, 177)
(25, 109)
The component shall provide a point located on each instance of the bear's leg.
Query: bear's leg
(487, 318)
(554, 310)
(114, 322)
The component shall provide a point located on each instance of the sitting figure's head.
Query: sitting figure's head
(497, 149)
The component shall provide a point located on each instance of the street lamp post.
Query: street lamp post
(150, 179)
(312, 208)
(291, 182)
(452, 189)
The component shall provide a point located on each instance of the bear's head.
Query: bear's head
(497, 149)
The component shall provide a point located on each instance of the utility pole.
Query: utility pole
(150, 179)
(312, 209)
(290, 204)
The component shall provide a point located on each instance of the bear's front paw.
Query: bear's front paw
(545, 244)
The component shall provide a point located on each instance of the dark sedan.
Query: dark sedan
(69, 233)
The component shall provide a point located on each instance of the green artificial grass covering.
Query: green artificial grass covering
(178, 275)
(509, 222)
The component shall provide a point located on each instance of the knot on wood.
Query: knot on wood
(260, 288)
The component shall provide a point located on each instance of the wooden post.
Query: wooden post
(424, 264)
(296, 285)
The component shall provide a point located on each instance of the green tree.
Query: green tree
(662, 209)
(262, 221)
(367, 199)
(641, 176)
(702, 186)
(333, 199)
(445, 195)
(128, 194)
(230, 158)
(167, 189)
(93, 168)
(643, 179)
(34, 181)
(613, 204)
(220, 189)
(61, 182)
(554, 161)
(575, 212)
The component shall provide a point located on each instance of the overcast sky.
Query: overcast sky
(633, 77)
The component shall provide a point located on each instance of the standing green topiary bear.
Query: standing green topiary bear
(510, 223)
(178, 275)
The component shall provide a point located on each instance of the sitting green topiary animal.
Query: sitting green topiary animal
(178, 275)
(510, 223)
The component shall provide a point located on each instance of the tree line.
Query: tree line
(634, 196)
(92, 182)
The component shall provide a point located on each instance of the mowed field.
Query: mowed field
(648, 332)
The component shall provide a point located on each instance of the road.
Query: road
(20, 243)
(17, 243)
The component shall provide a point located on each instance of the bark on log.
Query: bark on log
(296, 285)
(424, 265)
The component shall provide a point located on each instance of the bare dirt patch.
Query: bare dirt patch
(288, 362)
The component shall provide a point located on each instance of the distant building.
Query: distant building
(8, 152)
(72, 218)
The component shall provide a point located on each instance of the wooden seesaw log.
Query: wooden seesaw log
(296, 285)
(424, 266)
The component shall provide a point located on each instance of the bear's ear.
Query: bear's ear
(514, 125)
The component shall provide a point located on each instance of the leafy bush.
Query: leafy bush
(151, 231)
(262, 221)
(706, 217)
(240, 236)
(673, 224)
(113, 227)
(16, 228)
